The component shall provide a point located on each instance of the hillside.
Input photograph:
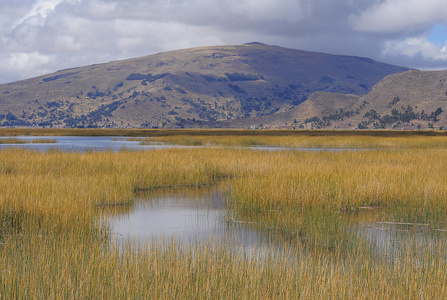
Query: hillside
(223, 86)
(409, 100)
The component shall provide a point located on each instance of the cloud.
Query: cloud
(414, 47)
(58, 34)
(400, 15)
(38, 13)
(405, 28)
(14, 64)
(289, 11)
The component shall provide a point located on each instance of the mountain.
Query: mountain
(408, 100)
(219, 86)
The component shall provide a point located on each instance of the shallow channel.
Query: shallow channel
(197, 215)
(188, 215)
(80, 143)
(108, 143)
(193, 216)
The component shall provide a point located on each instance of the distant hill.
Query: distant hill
(199, 87)
(409, 100)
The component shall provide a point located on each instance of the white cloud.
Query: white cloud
(22, 61)
(413, 47)
(22, 65)
(72, 33)
(399, 15)
(38, 13)
(267, 10)
(101, 9)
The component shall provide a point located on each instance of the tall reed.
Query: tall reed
(313, 202)
(304, 141)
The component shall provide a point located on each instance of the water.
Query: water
(200, 214)
(82, 144)
(107, 143)
(191, 216)
(393, 239)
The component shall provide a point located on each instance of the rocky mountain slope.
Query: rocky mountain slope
(409, 100)
(220, 86)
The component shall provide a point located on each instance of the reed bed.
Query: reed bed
(303, 141)
(314, 202)
(76, 269)
(12, 140)
(43, 141)
(216, 132)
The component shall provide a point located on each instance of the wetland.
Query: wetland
(115, 223)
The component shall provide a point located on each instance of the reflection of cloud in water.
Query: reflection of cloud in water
(108, 143)
(391, 240)
(190, 215)
(82, 144)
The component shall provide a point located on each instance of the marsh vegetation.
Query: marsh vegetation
(12, 140)
(327, 209)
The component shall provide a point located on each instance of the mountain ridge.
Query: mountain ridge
(186, 88)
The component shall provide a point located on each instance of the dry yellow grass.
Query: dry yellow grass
(304, 141)
(22, 141)
(49, 211)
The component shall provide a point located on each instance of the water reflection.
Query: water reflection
(191, 215)
(393, 238)
(108, 143)
(199, 216)
(82, 144)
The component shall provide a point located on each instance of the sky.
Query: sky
(38, 37)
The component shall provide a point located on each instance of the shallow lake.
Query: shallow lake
(188, 215)
(80, 143)
(194, 216)
(200, 214)
(107, 143)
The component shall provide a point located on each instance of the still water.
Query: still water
(107, 143)
(194, 216)
(200, 214)
(81, 143)
(188, 215)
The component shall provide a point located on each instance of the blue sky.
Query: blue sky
(438, 34)
(42, 36)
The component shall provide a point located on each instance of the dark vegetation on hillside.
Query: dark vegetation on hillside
(372, 119)
(188, 88)
(397, 117)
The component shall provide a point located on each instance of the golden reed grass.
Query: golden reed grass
(52, 245)
(302, 141)
(23, 141)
